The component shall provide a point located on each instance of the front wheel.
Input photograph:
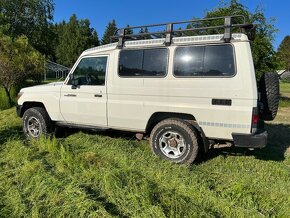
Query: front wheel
(174, 140)
(36, 123)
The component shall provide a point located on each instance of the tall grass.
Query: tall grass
(107, 174)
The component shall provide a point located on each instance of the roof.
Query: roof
(161, 42)
(285, 75)
(55, 66)
(280, 72)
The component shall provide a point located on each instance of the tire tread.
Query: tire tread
(187, 127)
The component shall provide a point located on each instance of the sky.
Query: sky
(135, 13)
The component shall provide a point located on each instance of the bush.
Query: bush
(4, 102)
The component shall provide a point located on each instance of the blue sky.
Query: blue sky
(100, 12)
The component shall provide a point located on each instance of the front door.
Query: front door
(84, 96)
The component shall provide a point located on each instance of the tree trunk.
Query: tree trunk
(8, 96)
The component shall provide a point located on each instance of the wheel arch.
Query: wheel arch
(30, 104)
(159, 116)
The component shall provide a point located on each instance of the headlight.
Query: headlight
(19, 95)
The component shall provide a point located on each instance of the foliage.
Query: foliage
(73, 38)
(128, 31)
(284, 52)
(110, 31)
(4, 102)
(262, 37)
(31, 18)
(18, 61)
(145, 30)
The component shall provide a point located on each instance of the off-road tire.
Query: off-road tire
(185, 130)
(45, 124)
(269, 89)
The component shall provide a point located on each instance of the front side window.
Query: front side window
(91, 71)
(204, 61)
(143, 63)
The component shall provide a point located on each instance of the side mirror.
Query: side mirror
(73, 81)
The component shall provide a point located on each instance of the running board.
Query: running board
(80, 126)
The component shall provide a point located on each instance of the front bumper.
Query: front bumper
(18, 110)
(257, 140)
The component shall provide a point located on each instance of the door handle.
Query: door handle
(70, 95)
(98, 95)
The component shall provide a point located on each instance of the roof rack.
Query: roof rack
(169, 29)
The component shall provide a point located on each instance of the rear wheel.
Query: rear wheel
(174, 140)
(36, 123)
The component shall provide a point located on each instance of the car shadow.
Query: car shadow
(278, 144)
(282, 97)
(65, 132)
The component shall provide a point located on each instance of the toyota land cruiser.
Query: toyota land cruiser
(188, 93)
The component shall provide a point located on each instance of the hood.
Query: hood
(49, 86)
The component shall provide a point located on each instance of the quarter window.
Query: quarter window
(204, 61)
(91, 71)
(143, 63)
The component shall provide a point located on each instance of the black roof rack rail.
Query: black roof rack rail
(228, 24)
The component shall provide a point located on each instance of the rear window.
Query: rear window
(143, 63)
(204, 61)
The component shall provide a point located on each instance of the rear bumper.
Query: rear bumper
(257, 140)
(18, 110)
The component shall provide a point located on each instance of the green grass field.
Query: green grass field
(285, 95)
(109, 174)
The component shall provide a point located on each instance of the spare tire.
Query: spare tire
(269, 95)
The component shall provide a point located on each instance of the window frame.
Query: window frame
(84, 57)
(183, 46)
(149, 48)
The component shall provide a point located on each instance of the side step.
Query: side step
(80, 126)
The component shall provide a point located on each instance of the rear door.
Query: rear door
(86, 103)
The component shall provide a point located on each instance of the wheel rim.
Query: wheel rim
(172, 144)
(33, 127)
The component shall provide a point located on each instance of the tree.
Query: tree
(283, 53)
(18, 61)
(129, 31)
(73, 38)
(262, 48)
(31, 18)
(110, 31)
(145, 30)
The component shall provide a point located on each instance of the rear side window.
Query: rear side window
(204, 61)
(143, 63)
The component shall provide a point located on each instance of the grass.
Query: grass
(100, 175)
(284, 102)
(109, 174)
(285, 88)
(285, 94)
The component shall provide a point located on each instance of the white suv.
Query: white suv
(188, 93)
